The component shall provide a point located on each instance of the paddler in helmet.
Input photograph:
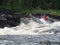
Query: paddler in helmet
(30, 20)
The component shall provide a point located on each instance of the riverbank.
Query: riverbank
(50, 11)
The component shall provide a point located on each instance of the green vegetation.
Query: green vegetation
(32, 6)
(52, 12)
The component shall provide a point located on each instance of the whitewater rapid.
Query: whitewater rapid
(32, 28)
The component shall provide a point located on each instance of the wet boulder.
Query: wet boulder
(8, 21)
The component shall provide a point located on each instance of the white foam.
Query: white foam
(29, 28)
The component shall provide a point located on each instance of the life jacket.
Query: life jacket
(45, 18)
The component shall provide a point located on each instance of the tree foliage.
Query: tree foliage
(29, 4)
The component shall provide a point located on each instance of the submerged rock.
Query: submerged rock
(45, 42)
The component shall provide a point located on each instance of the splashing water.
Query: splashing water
(28, 28)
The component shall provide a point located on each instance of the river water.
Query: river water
(30, 33)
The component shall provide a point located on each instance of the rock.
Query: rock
(45, 42)
(8, 21)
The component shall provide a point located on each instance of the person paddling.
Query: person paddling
(30, 16)
(44, 17)
(30, 20)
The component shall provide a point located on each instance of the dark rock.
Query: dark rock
(45, 42)
(8, 21)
